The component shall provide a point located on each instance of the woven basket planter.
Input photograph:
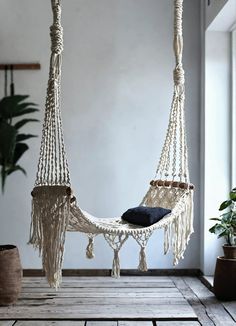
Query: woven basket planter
(10, 275)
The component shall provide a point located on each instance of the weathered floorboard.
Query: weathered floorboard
(101, 279)
(101, 323)
(231, 308)
(97, 301)
(135, 323)
(7, 322)
(49, 323)
(214, 308)
(118, 312)
(193, 300)
(177, 323)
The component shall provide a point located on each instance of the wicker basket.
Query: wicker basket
(10, 274)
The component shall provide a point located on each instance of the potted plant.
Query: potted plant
(226, 225)
(225, 271)
(12, 147)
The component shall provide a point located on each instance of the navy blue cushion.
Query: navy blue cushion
(145, 216)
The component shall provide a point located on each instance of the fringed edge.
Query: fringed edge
(177, 233)
(90, 247)
(49, 221)
(116, 264)
(142, 260)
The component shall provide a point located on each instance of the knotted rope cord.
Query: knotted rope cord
(52, 165)
(175, 140)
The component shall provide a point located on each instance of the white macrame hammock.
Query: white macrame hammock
(54, 208)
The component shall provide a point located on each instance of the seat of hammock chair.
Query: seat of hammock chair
(165, 196)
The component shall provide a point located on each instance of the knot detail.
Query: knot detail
(178, 75)
(56, 33)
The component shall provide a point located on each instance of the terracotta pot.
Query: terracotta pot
(10, 275)
(229, 251)
(224, 279)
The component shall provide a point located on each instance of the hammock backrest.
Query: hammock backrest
(53, 166)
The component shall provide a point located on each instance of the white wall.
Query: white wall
(117, 88)
(217, 137)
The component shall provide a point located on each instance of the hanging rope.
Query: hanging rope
(173, 163)
(52, 165)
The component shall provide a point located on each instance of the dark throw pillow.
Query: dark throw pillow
(145, 216)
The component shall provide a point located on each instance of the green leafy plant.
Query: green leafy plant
(12, 141)
(226, 223)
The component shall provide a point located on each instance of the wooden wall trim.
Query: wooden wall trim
(124, 272)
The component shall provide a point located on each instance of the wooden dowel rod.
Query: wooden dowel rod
(21, 66)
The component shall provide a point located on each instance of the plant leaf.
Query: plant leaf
(20, 149)
(25, 111)
(225, 204)
(21, 123)
(9, 105)
(7, 142)
(215, 219)
(232, 194)
(21, 137)
(16, 168)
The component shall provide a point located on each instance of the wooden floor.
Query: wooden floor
(128, 301)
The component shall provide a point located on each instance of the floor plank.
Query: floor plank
(104, 279)
(49, 323)
(135, 323)
(7, 322)
(81, 285)
(158, 293)
(118, 312)
(101, 323)
(231, 308)
(193, 300)
(178, 323)
(215, 310)
(97, 301)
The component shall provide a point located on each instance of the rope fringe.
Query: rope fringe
(90, 247)
(50, 215)
(142, 260)
(116, 265)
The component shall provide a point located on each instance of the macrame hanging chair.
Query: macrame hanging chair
(54, 208)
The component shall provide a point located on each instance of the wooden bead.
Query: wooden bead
(191, 186)
(183, 185)
(153, 183)
(73, 199)
(69, 191)
(167, 183)
(160, 183)
(175, 184)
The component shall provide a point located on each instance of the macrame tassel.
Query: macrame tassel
(182, 228)
(116, 265)
(89, 249)
(50, 214)
(142, 260)
(167, 236)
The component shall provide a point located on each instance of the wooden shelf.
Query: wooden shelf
(20, 66)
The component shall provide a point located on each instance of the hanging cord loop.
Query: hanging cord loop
(178, 43)
(173, 163)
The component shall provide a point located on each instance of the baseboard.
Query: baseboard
(124, 272)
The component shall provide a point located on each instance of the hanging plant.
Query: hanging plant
(12, 141)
